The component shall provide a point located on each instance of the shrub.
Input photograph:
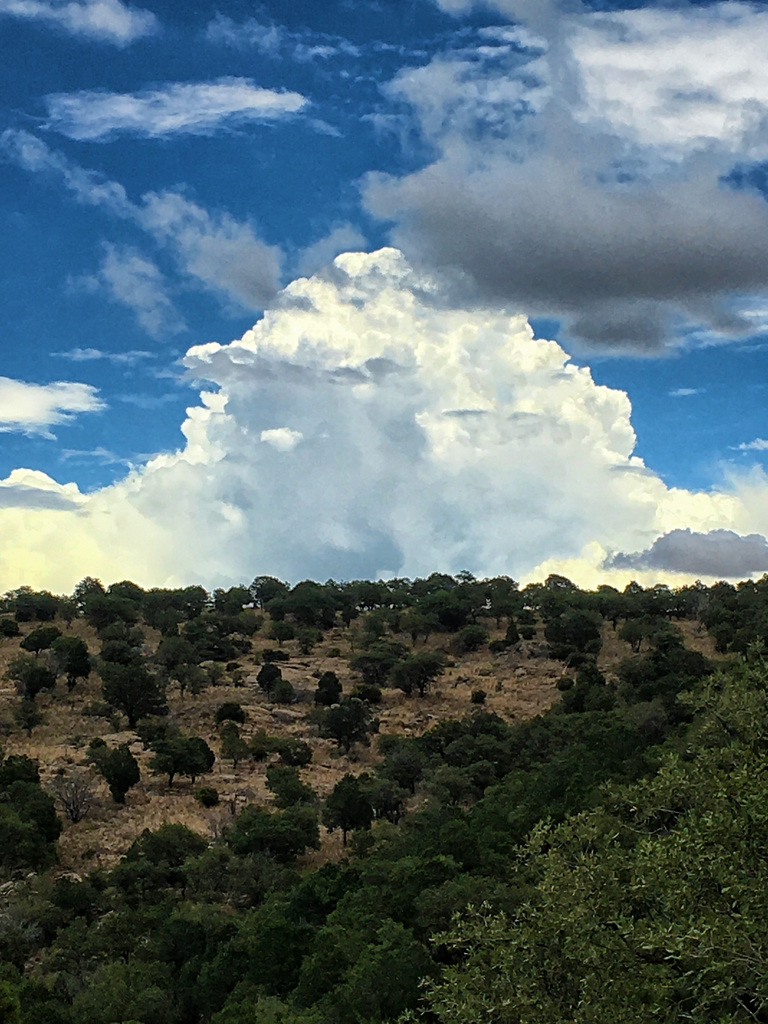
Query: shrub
(262, 745)
(229, 711)
(470, 638)
(118, 767)
(368, 692)
(207, 796)
(293, 752)
(498, 646)
(270, 655)
(478, 696)
(328, 689)
(282, 692)
(97, 709)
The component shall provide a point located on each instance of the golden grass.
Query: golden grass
(518, 686)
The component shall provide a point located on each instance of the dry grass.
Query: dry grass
(518, 686)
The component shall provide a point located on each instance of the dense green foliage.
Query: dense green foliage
(611, 851)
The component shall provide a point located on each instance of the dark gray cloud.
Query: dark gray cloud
(614, 216)
(621, 262)
(720, 553)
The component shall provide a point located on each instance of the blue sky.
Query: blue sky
(167, 172)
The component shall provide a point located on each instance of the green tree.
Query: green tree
(418, 671)
(285, 783)
(27, 715)
(30, 676)
(283, 836)
(266, 588)
(348, 806)
(29, 825)
(40, 639)
(133, 690)
(328, 689)
(72, 659)
(268, 676)
(229, 711)
(375, 664)
(117, 766)
(179, 755)
(281, 631)
(348, 722)
(653, 906)
(470, 638)
(233, 746)
(404, 765)
(33, 606)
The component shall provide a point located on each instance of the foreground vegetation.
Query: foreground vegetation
(602, 861)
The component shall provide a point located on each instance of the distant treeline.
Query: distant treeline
(736, 615)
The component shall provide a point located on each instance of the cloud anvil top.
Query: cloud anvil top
(395, 196)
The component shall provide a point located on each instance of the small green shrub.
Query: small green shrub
(229, 711)
(368, 692)
(282, 692)
(207, 796)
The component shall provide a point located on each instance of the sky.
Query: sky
(383, 287)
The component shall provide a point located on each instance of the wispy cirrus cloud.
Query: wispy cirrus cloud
(84, 355)
(108, 21)
(136, 282)
(224, 254)
(35, 408)
(276, 41)
(177, 108)
(684, 392)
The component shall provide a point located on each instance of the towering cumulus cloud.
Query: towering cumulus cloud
(366, 426)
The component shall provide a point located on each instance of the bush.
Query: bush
(262, 745)
(229, 711)
(478, 696)
(293, 752)
(9, 627)
(270, 655)
(207, 796)
(97, 709)
(118, 768)
(368, 692)
(470, 638)
(284, 781)
(282, 692)
(328, 689)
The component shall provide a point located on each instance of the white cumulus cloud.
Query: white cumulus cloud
(35, 408)
(192, 108)
(368, 425)
(282, 438)
(108, 21)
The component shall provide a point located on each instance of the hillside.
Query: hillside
(352, 766)
(518, 686)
